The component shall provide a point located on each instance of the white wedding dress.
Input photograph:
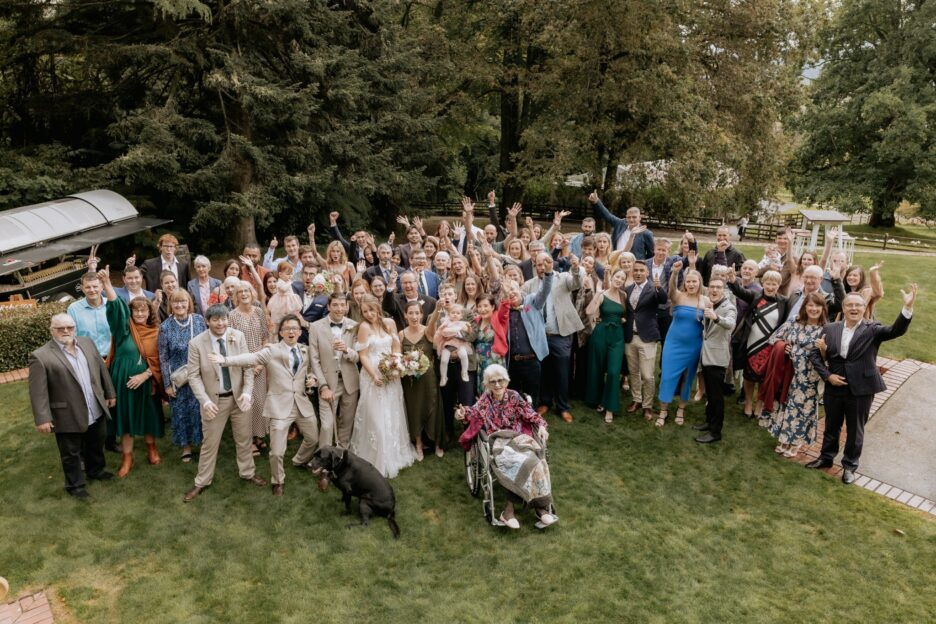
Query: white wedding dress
(380, 435)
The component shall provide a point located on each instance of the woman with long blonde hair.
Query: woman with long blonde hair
(336, 262)
(683, 345)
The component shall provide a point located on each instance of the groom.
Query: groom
(334, 364)
(846, 360)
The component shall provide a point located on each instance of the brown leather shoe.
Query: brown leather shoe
(192, 494)
(542, 409)
(277, 489)
(566, 416)
(648, 414)
(633, 407)
(258, 481)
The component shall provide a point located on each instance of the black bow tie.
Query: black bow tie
(337, 324)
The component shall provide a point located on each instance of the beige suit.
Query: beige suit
(286, 402)
(340, 375)
(205, 381)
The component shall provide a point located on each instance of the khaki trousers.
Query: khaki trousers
(211, 440)
(279, 432)
(641, 362)
(346, 404)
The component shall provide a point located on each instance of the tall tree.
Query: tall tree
(869, 134)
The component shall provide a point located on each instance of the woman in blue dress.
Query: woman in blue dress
(174, 336)
(683, 344)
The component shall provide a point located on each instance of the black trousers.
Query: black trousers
(554, 379)
(579, 369)
(714, 378)
(841, 406)
(87, 447)
(525, 377)
(456, 392)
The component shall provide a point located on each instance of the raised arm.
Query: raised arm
(336, 233)
(602, 212)
(673, 291)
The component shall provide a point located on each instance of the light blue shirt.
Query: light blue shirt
(271, 264)
(92, 322)
(79, 364)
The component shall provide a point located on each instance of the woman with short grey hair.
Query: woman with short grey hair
(202, 285)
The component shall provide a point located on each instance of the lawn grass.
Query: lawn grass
(904, 231)
(898, 272)
(654, 528)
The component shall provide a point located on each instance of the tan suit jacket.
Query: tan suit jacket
(324, 364)
(54, 390)
(284, 389)
(203, 375)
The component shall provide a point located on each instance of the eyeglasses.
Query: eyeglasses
(65, 328)
(498, 382)
(291, 329)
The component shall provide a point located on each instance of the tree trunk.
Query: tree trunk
(244, 231)
(510, 122)
(882, 213)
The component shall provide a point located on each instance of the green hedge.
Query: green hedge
(22, 330)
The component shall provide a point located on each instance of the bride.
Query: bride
(380, 435)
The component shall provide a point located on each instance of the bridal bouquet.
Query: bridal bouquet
(390, 366)
(415, 364)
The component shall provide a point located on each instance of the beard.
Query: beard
(64, 342)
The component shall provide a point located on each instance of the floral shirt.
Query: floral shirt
(490, 415)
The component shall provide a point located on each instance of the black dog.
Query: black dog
(357, 477)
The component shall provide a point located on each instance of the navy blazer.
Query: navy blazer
(643, 318)
(316, 310)
(642, 248)
(859, 367)
(192, 288)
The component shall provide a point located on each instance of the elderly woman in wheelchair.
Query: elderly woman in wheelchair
(505, 438)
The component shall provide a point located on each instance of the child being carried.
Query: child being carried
(446, 342)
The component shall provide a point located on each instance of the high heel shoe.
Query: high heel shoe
(152, 455)
(125, 465)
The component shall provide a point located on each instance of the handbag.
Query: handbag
(179, 377)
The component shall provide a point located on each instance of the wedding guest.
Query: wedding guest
(90, 314)
(201, 286)
(224, 394)
(288, 377)
(624, 229)
(796, 419)
(250, 320)
(175, 333)
(606, 347)
(421, 394)
(168, 283)
(70, 393)
(133, 285)
(135, 372)
(642, 335)
(846, 359)
(153, 268)
(720, 320)
(486, 338)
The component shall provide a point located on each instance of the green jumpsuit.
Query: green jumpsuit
(605, 357)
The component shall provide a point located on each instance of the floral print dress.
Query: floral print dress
(484, 346)
(796, 421)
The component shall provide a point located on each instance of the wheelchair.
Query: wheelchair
(480, 478)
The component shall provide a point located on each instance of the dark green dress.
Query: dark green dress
(422, 397)
(606, 353)
(135, 413)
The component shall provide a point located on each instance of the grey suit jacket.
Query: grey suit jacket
(716, 335)
(563, 285)
(203, 375)
(54, 390)
(284, 389)
(325, 365)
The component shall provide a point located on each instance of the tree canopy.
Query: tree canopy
(228, 116)
(869, 132)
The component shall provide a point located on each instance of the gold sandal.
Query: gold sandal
(661, 419)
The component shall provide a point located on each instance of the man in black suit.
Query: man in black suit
(71, 392)
(846, 359)
(384, 267)
(641, 337)
(396, 306)
(165, 261)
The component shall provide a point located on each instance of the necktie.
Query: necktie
(422, 284)
(225, 373)
(386, 276)
(635, 296)
(295, 355)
